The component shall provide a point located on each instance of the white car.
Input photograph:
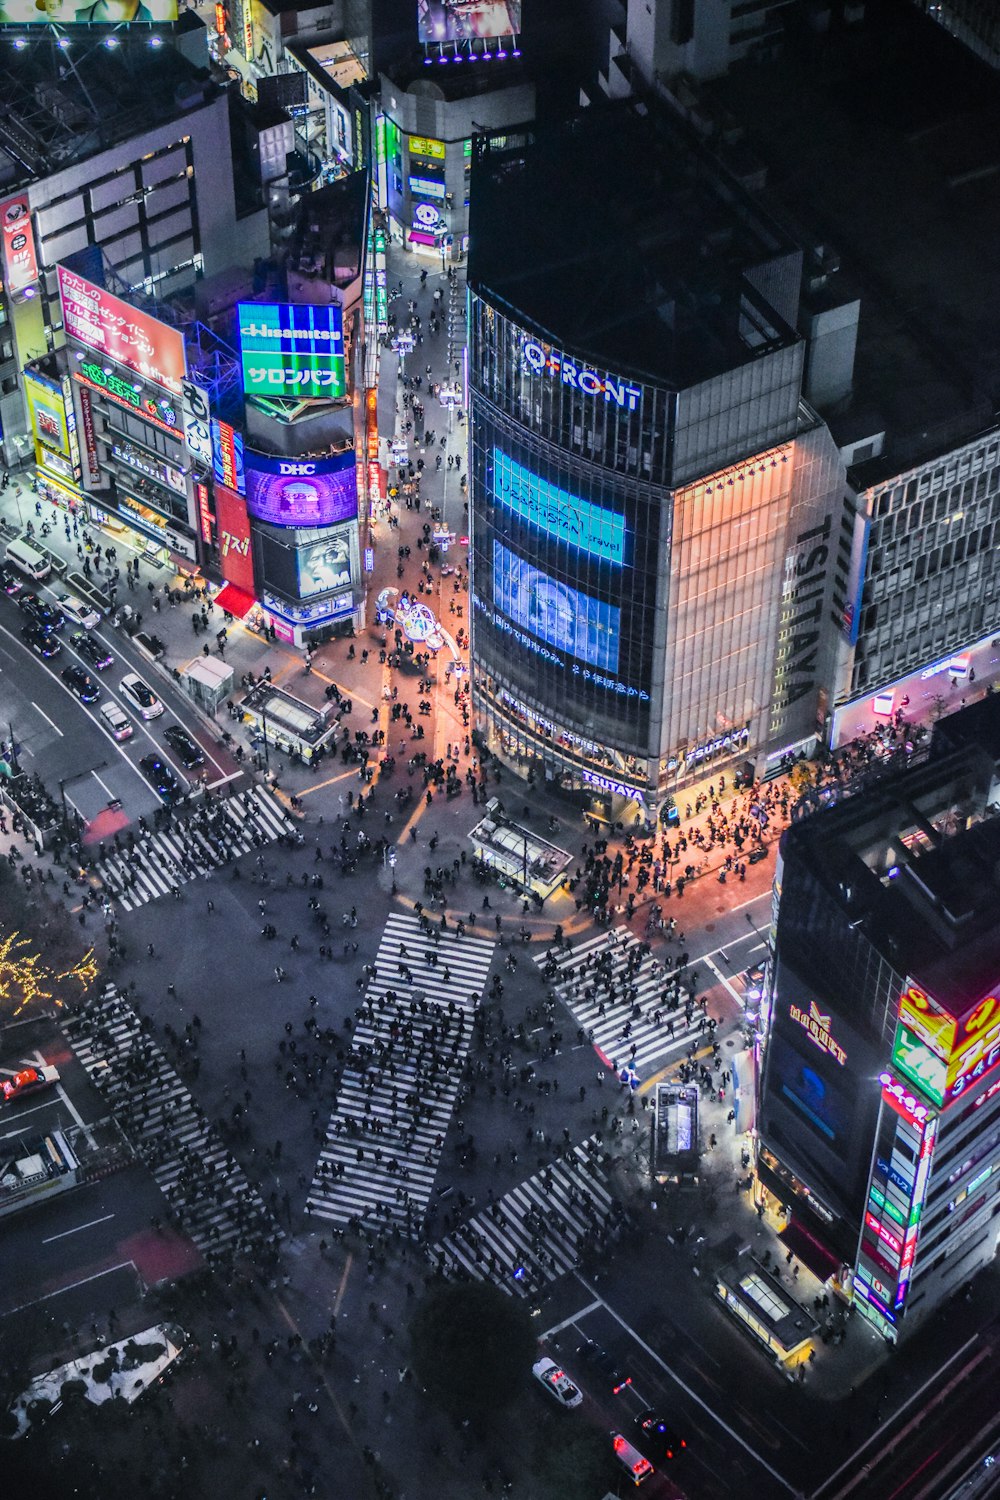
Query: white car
(140, 696)
(557, 1382)
(80, 613)
(116, 721)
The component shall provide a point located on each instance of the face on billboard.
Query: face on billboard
(467, 20)
(323, 492)
(94, 13)
(292, 350)
(325, 565)
(130, 337)
(574, 622)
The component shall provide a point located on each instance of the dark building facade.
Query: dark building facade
(879, 1116)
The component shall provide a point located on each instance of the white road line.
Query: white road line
(550, 1333)
(67, 1232)
(223, 779)
(668, 1370)
(46, 718)
(124, 1265)
(104, 784)
(723, 980)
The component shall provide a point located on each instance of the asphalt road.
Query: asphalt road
(64, 741)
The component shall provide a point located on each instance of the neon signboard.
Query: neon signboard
(902, 1101)
(940, 1053)
(123, 333)
(543, 359)
(292, 350)
(817, 1028)
(594, 529)
(427, 187)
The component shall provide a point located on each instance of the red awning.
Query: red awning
(235, 600)
(814, 1256)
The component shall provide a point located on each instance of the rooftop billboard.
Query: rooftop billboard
(467, 20)
(292, 350)
(302, 491)
(96, 13)
(121, 332)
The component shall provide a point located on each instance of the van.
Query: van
(636, 1466)
(24, 557)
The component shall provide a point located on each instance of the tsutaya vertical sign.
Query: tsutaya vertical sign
(545, 360)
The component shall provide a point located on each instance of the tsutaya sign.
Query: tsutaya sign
(540, 358)
(818, 1028)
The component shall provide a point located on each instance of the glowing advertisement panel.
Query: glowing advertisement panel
(576, 623)
(233, 529)
(596, 530)
(325, 564)
(131, 338)
(98, 13)
(941, 1054)
(292, 350)
(17, 241)
(302, 492)
(467, 20)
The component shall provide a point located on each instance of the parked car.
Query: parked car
(140, 696)
(78, 612)
(187, 750)
(91, 649)
(81, 683)
(557, 1382)
(116, 721)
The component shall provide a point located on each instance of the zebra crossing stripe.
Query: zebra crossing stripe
(249, 818)
(167, 1128)
(636, 1007)
(538, 1231)
(387, 1130)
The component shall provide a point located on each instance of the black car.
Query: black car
(9, 581)
(756, 854)
(42, 614)
(657, 1438)
(187, 751)
(44, 642)
(160, 777)
(81, 683)
(601, 1361)
(91, 649)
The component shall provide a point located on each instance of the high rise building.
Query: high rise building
(655, 508)
(879, 1116)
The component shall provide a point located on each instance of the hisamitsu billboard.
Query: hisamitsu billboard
(292, 350)
(113, 328)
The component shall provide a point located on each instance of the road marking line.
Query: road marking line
(46, 718)
(124, 1265)
(550, 1333)
(112, 795)
(233, 775)
(668, 1370)
(66, 1232)
(342, 1288)
(318, 786)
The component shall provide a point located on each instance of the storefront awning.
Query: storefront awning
(235, 600)
(814, 1256)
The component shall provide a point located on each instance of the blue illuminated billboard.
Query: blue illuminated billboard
(292, 350)
(576, 623)
(596, 530)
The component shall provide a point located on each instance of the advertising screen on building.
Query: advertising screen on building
(325, 565)
(20, 263)
(95, 13)
(573, 622)
(302, 492)
(941, 1054)
(467, 20)
(227, 456)
(48, 414)
(132, 338)
(292, 350)
(233, 529)
(554, 510)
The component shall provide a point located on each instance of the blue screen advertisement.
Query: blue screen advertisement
(576, 623)
(596, 530)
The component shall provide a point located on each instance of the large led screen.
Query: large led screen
(325, 565)
(302, 492)
(467, 20)
(596, 530)
(98, 13)
(292, 350)
(132, 338)
(576, 623)
(821, 1102)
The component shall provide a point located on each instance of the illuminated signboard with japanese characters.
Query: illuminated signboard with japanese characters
(122, 333)
(292, 350)
(943, 1054)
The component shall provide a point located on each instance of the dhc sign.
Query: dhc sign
(540, 359)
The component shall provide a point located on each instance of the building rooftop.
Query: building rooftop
(626, 244)
(884, 138)
(915, 864)
(54, 116)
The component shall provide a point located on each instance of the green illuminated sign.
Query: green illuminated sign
(110, 382)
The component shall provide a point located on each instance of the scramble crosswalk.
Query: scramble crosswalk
(621, 997)
(209, 1196)
(538, 1231)
(216, 833)
(402, 1075)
